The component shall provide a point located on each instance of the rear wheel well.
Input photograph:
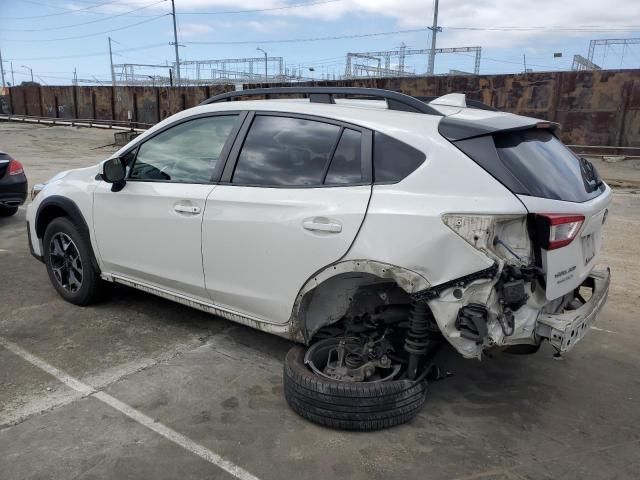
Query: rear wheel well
(352, 288)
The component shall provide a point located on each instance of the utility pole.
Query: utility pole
(2, 69)
(434, 33)
(175, 42)
(75, 76)
(13, 80)
(266, 64)
(113, 74)
(524, 62)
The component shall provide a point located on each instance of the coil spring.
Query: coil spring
(418, 336)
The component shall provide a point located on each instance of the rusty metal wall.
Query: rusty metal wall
(594, 107)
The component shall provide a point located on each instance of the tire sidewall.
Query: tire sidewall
(85, 293)
(363, 406)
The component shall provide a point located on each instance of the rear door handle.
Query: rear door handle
(322, 225)
(192, 209)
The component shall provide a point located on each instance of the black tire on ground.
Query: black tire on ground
(89, 285)
(349, 406)
(7, 211)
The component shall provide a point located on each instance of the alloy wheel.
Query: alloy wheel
(65, 261)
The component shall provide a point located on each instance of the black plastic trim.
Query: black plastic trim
(434, 292)
(69, 206)
(395, 100)
(453, 128)
(73, 212)
(31, 250)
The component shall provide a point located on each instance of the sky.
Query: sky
(55, 37)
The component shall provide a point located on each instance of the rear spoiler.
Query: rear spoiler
(454, 129)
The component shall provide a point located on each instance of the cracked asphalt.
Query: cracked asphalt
(219, 384)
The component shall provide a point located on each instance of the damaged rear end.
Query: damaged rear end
(544, 284)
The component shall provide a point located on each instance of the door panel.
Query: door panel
(260, 245)
(151, 231)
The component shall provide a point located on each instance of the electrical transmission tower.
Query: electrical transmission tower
(354, 70)
(206, 72)
(581, 63)
(607, 42)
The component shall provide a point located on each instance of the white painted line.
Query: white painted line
(132, 413)
(603, 330)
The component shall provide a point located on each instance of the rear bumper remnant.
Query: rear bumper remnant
(565, 330)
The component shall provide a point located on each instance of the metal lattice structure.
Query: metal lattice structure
(606, 42)
(581, 63)
(227, 70)
(206, 72)
(353, 70)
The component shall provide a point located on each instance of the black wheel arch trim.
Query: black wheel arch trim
(71, 210)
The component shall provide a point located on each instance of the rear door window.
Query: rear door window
(545, 167)
(285, 151)
(346, 165)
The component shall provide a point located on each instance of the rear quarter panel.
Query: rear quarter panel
(404, 224)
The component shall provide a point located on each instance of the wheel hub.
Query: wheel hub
(350, 360)
(65, 262)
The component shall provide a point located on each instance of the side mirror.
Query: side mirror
(113, 171)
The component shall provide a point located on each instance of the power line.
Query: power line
(313, 39)
(67, 11)
(83, 23)
(93, 54)
(258, 10)
(90, 34)
(576, 28)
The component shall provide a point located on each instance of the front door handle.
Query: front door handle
(321, 224)
(192, 209)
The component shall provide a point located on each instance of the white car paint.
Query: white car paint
(245, 252)
(143, 233)
(260, 245)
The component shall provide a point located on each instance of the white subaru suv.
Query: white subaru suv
(367, 230)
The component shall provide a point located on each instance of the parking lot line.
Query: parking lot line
(131, 412)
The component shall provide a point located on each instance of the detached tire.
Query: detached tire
(349, 405)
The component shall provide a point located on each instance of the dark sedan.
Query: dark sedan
(13, 185)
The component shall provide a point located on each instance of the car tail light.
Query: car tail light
(15, 168)
(558, 230)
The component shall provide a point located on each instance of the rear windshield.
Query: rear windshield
(544, 167)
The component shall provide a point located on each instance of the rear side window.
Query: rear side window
(544, 166)
(346, 165)
(393, 160)
(283, 151)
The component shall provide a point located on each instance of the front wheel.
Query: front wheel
(68, 257)
(373, 401)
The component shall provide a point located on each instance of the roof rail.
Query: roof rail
(395, 100)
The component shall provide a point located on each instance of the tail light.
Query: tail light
(15, 168)
(557, 230)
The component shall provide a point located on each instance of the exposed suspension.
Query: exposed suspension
(417, 341)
